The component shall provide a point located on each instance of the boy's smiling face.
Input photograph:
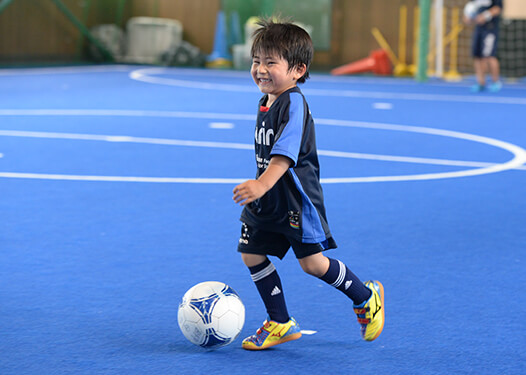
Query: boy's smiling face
(272, 75)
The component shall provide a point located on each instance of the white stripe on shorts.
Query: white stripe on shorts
(263, 273)
(341, 275)
(489, 41)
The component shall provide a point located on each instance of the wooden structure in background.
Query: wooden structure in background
(36, 31)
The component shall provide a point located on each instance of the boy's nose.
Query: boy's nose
(262, 69)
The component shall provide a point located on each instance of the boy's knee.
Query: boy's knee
(252, 260)
(315, 265)
(310, 269)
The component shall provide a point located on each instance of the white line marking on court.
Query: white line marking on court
(126, 139)
(515, 163)
(66, 70)
(324, 78)
(221, 125)
(125, 113)
(139, 75)
(148, 75)
(384, 106)
(407, 159)
(238, 146)
(171, 180)
(417, 96)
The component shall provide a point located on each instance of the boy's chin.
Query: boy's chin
(265, 89)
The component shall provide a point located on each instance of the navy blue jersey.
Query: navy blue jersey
(484, 5)
(294, 206)
(486, 35)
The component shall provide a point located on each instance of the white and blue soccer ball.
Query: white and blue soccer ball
(471, 9)
(211, 314)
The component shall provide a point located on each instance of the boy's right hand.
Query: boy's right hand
(248, 192)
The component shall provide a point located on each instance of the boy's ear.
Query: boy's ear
(300, 70)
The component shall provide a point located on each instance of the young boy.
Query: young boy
(283, 206)
(484, 45)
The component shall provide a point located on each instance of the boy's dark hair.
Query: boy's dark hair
(287, 40)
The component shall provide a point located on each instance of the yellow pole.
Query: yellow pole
(401, 69)
(383, 43)
(453, 35)
(402, 34)
(452, 73)
(444, 33)
(432, 36)
(416, 21)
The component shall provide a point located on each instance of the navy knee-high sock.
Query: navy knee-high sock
(269, 287)
(341, 277)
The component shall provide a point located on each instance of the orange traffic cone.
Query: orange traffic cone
(377, 62)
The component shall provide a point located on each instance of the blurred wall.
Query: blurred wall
(197, 16)
(36, 31)
(352, 21)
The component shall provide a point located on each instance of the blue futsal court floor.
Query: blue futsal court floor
(116, 197)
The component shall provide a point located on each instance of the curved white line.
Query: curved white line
(239, 146)
(139, 75)
(126, 139)
(316, 77)
(125, 113)
(70, 177)
(518, 160)
(148, 75)
(66, 70)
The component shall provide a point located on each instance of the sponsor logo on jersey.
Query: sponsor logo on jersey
(294, 219)
(264, 136)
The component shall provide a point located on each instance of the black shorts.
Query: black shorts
(484, 43)
(255, 241)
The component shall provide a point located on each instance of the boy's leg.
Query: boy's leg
(368, 297)
(336, 274)
(478, 64)
(268, 283)
(279, 327)
(494, 68)
(480, 72)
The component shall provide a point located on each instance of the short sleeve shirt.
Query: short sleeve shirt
(294, 205)
(484, 5)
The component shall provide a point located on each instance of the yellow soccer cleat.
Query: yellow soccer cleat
(371, 314)
(272, 333)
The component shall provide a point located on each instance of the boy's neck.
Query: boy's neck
(272, 98)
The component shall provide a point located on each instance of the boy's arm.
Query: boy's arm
(251, 190)
(487, 15)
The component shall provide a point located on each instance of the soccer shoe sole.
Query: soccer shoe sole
(285, 339)
(383, 311)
